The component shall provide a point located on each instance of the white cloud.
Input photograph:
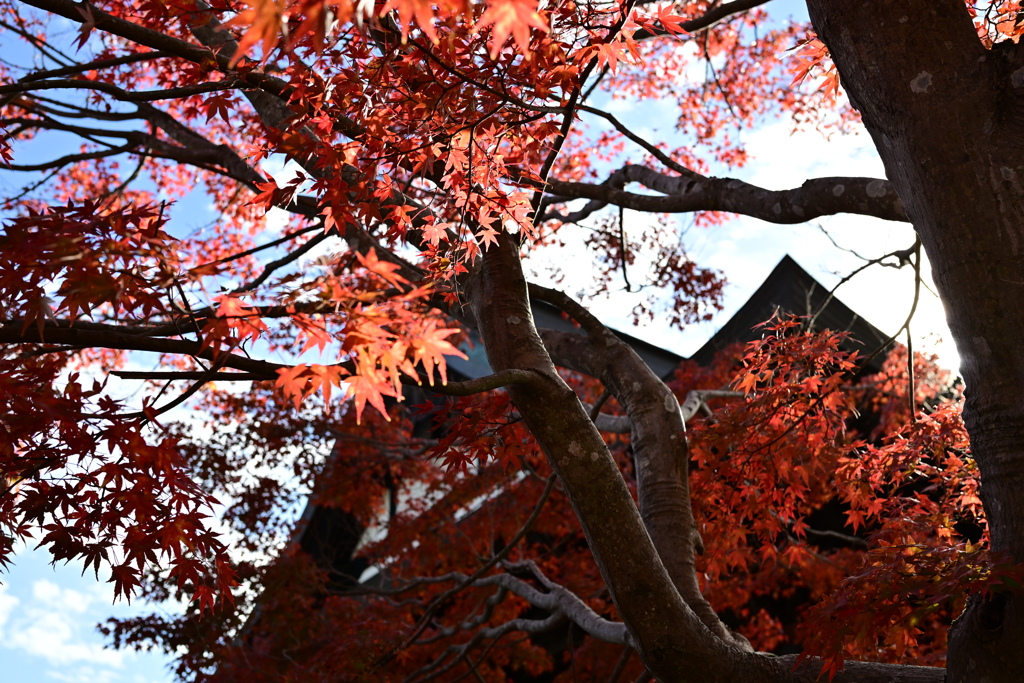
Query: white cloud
(51, 626)
(746, 249)
(84, 674)
(8, 603)
(50, 594)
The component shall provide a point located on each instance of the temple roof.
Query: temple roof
(788, 289)
(660, 360)
(791, 289)
(332, 535)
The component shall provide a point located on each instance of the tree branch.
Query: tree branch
(620, 424)
(179, 48)
(270, 103)
(672, 640)
(72, 159)
(707, 20)
(111, 338)
(467, 388)
(193, 375)
(657, 430)
(464, 582)
(817, 197)
(116, 92)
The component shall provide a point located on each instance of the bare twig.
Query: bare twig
(707, 20)
(620, 666)
(441, 600)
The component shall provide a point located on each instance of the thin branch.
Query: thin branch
(502, 378)
(94, 66)
(291, 257)
(595, 410)
(443, 599)
(622, 247)
(817, 197)
(597, 81)
(620, 666)
(153, 413)
(910, 316)
(44, 48)
(467, 388)
(72, 159)
(651, 149)
(718, 83)
(119, 93)
(903, 255)
(206, 376)
(80, 68)
(200, 55)
(569, 115)
(262, 247)
(112, 338)
(837, 536)
(532, 626)
(911, 391)
(695, 401)
(708, 19)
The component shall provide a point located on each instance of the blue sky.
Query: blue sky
(47, 628)
(48, 614)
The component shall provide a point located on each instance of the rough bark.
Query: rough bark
(685, 194)
(668, 635)
(658, 440)
(946, 116)
(672, 641)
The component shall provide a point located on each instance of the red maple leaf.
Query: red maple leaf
(512, 17)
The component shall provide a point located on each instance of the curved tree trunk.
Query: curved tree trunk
(674, 643)
(660, 451)
(946, 115)
(669, 637)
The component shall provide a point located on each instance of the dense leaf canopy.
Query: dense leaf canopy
(295, 347)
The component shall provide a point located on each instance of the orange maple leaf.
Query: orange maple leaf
(672, 23)
(292, 383)
(431, 346)
(265, 19)
(408, 10)
(232, 307)
(363, 388)
(435, 232)
(315, 332)
(487, 237)
(514, 17)
(384, 269)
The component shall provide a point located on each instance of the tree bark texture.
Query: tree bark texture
(665, 631)
(946, 115)
(674, 643)
(658, 440)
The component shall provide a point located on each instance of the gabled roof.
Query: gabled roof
(660, 360)
(791, 289)
(788, 289)
(332, 535)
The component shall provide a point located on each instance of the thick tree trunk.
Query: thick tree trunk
(672, 640)
(946, 115)
(658, 440)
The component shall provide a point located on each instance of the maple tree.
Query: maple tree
(557, 522)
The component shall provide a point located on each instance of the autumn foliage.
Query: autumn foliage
(171, 396)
